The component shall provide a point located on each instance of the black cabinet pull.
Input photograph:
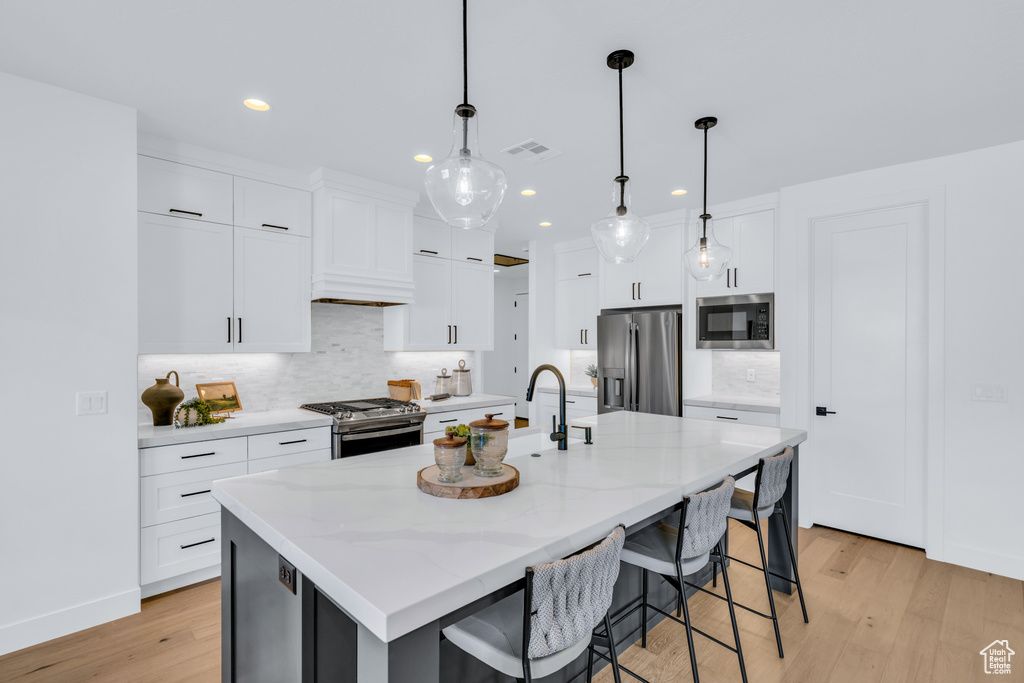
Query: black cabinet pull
(198, 455)
(583, 274)
(279, 227)
(449, 334)
(496, 414)
(427, 251)
(727, 274)
(191, 545)
(567, 401)
(239, 330)
(470, 258)
(451, 420)
(639, 298)
(229, 329)
(723, 417)
(581, 336)
(194, 493)
(586, 336)
(456, 334)
(285, 443)
(190, 213)
(634, 291)
(735, 277)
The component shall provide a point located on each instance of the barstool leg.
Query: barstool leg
(590, 663)
(732, 614)
(792, 557)
(768, 585)
(714, 574)
(686, 617)
(611, 648)
(643, 615)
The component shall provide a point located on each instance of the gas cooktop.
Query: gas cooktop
(368, 409)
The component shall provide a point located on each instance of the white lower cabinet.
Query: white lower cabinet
(180, 520)
(747, 417)
(576, 407)
(435, 424)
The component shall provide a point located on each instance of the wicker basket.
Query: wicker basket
(400, 389)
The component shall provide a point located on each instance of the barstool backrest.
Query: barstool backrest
(571, 596)
(772, 475)
(704, 519)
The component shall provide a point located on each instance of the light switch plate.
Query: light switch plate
(751, 375)
(91, 403)
(990, 393)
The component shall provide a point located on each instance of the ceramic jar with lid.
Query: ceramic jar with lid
(444, 383)
(450, 456)
(462, 385)
(489, 438)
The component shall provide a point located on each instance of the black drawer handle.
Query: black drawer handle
(194, 493)
(190, 213)
(470, 258)
(496, 414)
(279, 227)
(198, 455)
(723, 417)
(285, 443)
(191, 545)
(583, 274)
(570, 401)
(427, 251)
(451, 420)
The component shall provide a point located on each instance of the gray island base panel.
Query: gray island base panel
(381, 568)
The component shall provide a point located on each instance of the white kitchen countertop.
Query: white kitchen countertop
(726, 402)
(465, 402)
(571, 391)
(395, 558)
(242, 425)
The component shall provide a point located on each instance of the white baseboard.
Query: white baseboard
(180, 581)
(984, 560)
(56, 624)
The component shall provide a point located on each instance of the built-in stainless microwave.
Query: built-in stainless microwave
(742, 321)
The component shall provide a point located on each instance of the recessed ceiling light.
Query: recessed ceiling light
(528, 193)
(545, 224)
(258, 105)
(678, 192)
(423, 158)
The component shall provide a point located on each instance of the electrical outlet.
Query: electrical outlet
(90, 403)
(751, 375)
(286, 573)
(990, 393)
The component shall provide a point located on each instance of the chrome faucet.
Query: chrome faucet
(558, 433)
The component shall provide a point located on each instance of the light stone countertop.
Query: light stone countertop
(726, 402)
(244, 424)
(395, 558)
(464, 402)
(571, 391)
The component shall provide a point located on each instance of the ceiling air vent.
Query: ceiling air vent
(531, 150)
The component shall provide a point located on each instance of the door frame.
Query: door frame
(933, 201)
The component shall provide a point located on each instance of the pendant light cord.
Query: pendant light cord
(465, 57)
(704, 217)
(622, 155)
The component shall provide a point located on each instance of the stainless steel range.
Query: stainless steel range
(372, 425)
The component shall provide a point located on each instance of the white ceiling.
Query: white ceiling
(803, 89)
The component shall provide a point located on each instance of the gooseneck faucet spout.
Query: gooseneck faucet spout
(560, 432)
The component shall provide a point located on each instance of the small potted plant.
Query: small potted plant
(591, 372)
(463, 432)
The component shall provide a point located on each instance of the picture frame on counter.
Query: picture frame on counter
(222, 397)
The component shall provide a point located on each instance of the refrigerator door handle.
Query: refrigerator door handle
(630, 369)
(634, 370)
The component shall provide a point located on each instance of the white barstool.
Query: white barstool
(661, 548)
(769, 487)
(546, 626)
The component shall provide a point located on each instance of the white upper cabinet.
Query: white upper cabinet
(431, 237)
(577, 263)
(271, 292)
(185, 286)
(362, 239)
(473, 305)
(576, 301)
(751, 236)
(476, 246)
(653, 279)
(184, 191)
(266, 206)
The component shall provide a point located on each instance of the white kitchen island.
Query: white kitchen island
(382, 567)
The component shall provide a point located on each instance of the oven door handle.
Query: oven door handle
(358, 436)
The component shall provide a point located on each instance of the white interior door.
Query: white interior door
(522, 342)
(870, 355)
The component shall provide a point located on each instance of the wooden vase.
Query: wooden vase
(162, 398)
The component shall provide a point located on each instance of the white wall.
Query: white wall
(498, 366)
(976, 461)
(543, 346)
(68, 323)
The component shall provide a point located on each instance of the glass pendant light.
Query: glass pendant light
(708, 258)
(621, 235)
(465, 190)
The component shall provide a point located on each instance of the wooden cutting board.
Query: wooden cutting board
(471, 486)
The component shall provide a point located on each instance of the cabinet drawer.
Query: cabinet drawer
(437, 422)
(476, 246)
(431, 238)
(188, 456)
(178, 547)
(570, 265)
(277, 462)
(179, 495)
(276, 208)
(283, 443)
(503, 412)
(747, 417)
(184, 191)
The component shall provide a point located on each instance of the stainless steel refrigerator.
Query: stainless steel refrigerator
(639, 366)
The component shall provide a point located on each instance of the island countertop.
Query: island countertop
(395, 558)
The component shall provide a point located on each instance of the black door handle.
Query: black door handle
(823, 411)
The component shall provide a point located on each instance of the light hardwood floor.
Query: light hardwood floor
(879, 612)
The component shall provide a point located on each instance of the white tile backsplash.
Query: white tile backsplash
(578, 362)
(347, 361)
(729, 373)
